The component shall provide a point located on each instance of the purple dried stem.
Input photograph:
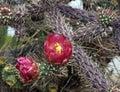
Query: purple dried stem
(35, 7)
(116, 27)
(82, 15)
(115, 23)
(87, 68)
(117, 38)
(41, 6)
(59, 24)
(88, 32)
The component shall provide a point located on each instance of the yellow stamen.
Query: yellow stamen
(9, 82)
(2, 60)
(58, 48)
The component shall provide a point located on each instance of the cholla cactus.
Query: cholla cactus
(89, 32)
(84, 16)
(19, 11)
(92, 73)
(87, 68)
(24, 14)
(5, 13)
(58, 23)
(116, 28)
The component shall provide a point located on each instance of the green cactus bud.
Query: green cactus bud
(46, 69)
(10, 76)
(11, 80)
(104, 19)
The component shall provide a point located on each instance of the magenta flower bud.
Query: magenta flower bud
(28, 69)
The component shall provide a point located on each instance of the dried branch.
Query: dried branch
(116, 27)
(59, 24)
(87, 68)
(82, 15)
(88, 32)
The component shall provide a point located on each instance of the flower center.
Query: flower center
(58, 48)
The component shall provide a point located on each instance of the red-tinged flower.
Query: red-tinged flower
(57, 49)
(28, 69)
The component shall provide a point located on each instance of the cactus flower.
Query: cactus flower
(28, 69)
(57, 49)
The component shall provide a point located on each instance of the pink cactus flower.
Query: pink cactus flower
(57, 49)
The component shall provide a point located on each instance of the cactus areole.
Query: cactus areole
(5, 13)
(57, 49)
